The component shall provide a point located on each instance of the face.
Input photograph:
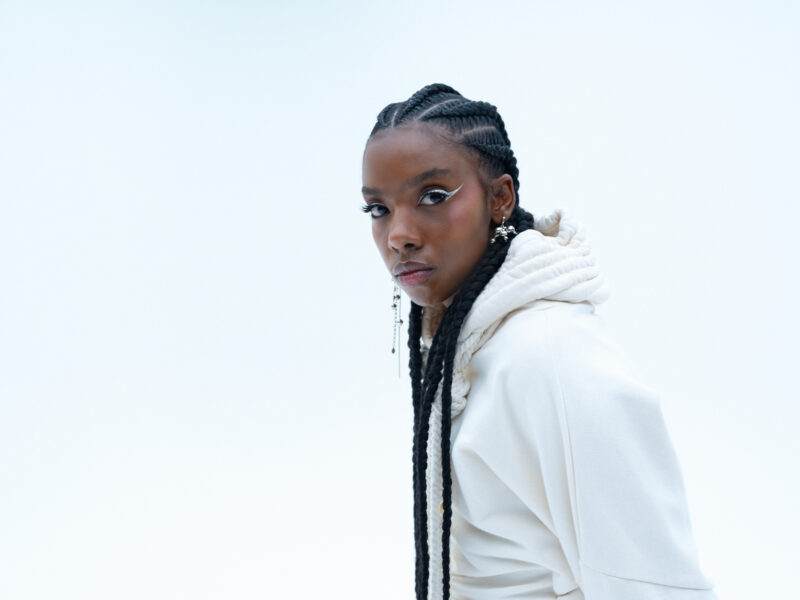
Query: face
(430, 210)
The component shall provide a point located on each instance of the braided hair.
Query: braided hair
(478, 127)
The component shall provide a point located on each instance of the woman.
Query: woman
(542, 468)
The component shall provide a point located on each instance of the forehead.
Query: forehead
(397, 154)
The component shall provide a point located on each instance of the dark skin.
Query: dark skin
(432, 208)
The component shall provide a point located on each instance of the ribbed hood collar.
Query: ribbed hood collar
(551, 261)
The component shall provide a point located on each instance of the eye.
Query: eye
(375, 209)
(433, 197)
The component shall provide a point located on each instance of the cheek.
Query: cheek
(469, 224)
(379, 237)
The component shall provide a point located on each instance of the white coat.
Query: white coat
(565, 481)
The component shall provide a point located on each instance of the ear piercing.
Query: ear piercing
(503, 231)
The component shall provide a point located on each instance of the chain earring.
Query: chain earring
(398, 323)
(503, 231)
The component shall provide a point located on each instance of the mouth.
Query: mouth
(410, 274)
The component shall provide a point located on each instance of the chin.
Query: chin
(418, 297)
(426, 300)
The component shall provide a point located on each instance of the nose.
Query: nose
(404, 231)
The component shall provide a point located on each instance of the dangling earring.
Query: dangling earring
(503, 231)
(398, 323)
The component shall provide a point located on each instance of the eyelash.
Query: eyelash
(367, 208)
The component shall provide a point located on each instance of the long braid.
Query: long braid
(425, 390)
(431, 380)
(478, 127)
(415, 368)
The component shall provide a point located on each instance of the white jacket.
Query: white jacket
(565, 481)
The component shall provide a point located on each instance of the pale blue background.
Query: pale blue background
(197, 398)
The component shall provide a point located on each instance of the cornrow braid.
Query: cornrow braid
(478, 127)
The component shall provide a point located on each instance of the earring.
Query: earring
(503, 231)
(398, 323)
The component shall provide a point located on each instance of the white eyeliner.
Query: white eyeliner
(447, 194)
(451, 194)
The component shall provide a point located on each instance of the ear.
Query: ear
(503, 198)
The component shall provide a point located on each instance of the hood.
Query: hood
(552, 261)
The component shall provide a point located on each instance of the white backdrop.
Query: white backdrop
(197, 398)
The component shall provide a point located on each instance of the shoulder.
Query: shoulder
(552, 351)
(571, 336)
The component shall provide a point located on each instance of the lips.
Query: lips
(412, 273)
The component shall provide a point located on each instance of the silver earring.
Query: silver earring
(398, 323)
(503, 231)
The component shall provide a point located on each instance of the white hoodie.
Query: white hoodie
(565, 481)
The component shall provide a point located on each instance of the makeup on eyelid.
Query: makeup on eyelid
(368, 208)
(447, 195)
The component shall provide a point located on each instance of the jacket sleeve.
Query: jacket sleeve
(613, 487)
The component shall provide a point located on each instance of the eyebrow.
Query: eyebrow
(416, 180)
